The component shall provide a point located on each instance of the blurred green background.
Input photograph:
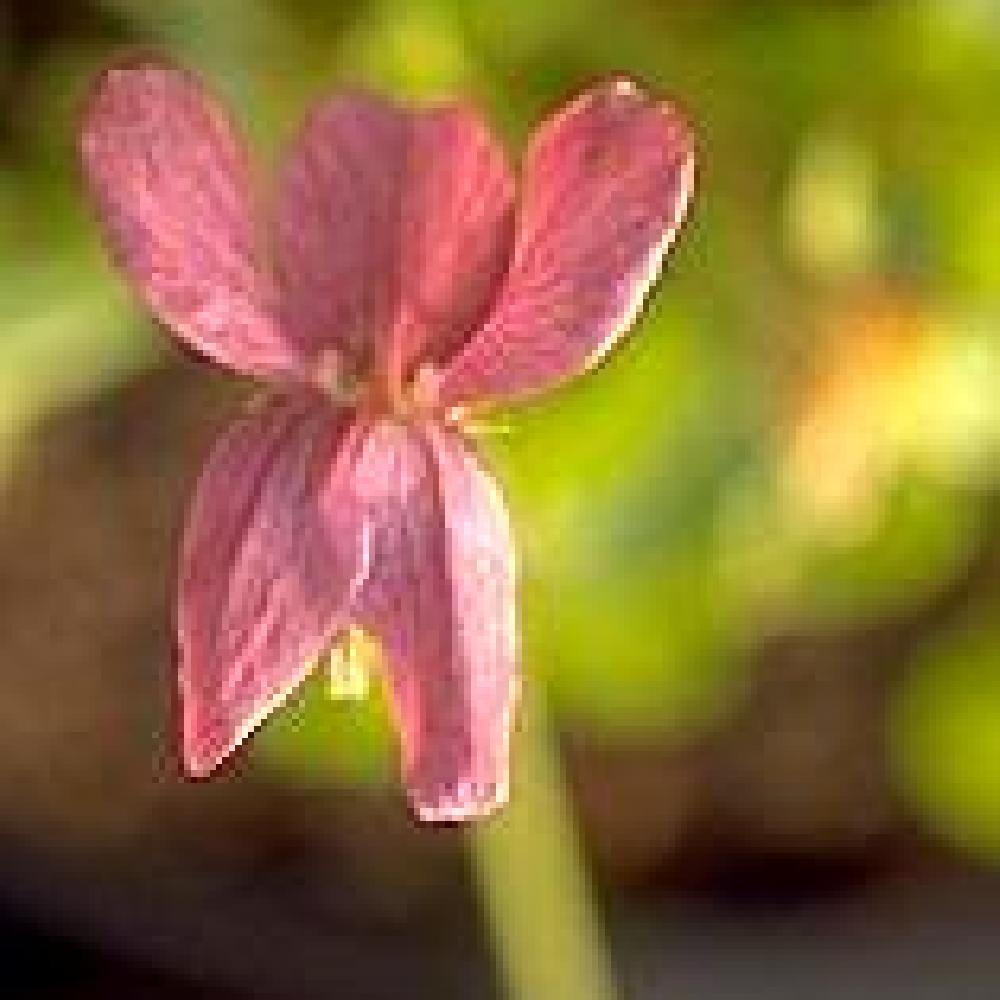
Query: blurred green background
(760, 547)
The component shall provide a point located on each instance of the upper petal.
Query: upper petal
(170, 179)
(271, 559)
(607, 182)
(440, 596)
(392, 228)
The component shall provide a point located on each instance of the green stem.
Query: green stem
(531, 876)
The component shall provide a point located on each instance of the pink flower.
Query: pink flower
(396, 280)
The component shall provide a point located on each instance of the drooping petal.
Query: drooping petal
(271, 559)
(607, 182)
(170, 180)
(392, 228)
(440, 597)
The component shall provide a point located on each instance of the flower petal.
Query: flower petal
(270, 562)
(169, 176)
(440, 596)
(393, 227)
(606, 186)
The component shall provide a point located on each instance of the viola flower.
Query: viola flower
(396, 282)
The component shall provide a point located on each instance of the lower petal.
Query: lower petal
(270, 563)
(440, 597)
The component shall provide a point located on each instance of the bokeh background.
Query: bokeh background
(760, 548)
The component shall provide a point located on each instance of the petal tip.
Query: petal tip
(200, 762)
(625, 86)
(125, 71)
(459, 803)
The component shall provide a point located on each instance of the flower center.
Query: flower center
(420, 396)
(403, 400)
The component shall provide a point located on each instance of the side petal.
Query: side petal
(169, 176)
(270, 562)
(607, 182)
(392, 228)
(440, 596)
